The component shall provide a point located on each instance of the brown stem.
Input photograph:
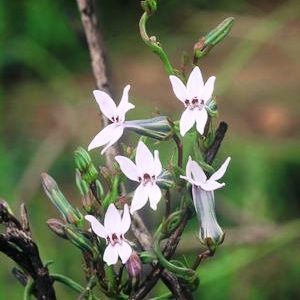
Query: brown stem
(17, 244)
(168, 203)
(179, 149)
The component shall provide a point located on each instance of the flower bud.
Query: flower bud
(149, 6)
(84, 164)
(78, 238)
(205, 44)
(212, 108)
(134, 265)
(158, 128)
(82, 185)
(210, 234)
(70, 214)
(57, 227)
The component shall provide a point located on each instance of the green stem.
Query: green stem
(70, 283)
(163, 297)
(28, 290)
(155, 45)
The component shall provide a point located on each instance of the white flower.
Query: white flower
(113, 231)
(145, 170)
(210, 233)
(196, 176)
(194, 96)
(111, 133)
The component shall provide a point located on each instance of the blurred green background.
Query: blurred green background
(47, 110)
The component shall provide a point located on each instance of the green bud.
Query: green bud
(81, 184)
(69, 213)
(84, 164)
(158, 128)
(149, 6)
(212, 108)
(57, 227)
(215, 36)
(79, 238)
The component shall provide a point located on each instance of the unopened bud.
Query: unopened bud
(134, 265)
(84, 164)
(205, 44)
(212, 108)
(57, 227)
(149, 6)
(70, 214)
(81, 184)
(158, 128)
(79, 238)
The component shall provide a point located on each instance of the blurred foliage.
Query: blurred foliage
(46, 111)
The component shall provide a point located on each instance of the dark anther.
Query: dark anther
(114, 237)
(194, 101)
(147, 177)
(187, 102)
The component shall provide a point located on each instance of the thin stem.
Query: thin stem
(168, 203)
(70, 283)
(154, 45)
(28, 290)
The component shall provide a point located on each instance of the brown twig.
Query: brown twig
(17, 244)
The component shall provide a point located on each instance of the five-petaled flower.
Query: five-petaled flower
(113, 231)
(195, 95)
(111, 133)
(146, 170)
(196, 176)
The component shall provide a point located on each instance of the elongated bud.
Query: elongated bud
(70, 214)
(134, 265)
(84, 164)
(57, 227)
(79, 238)
(210, 233)
(215, 36)
(81, 184)
(158, 128)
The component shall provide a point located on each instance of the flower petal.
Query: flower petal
(179, 88)
(103, 137)
(124, 105)
(115, 136)
(211, 185)
(157, 164)
(195, 84)
(187, 121)
(154, 195)
(190, 180)
(201, 119)
(208, 89)
(97, 227)
(112, 220)
(140, 198)
(126, 221)
(128, 167)
(144, 159)
(197, 173)
(110, 255)
(124, 251)
(106, 103)
(221, 171)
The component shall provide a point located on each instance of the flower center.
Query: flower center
(115, 119)
(147, 178)
(194, 103)
(114, 239)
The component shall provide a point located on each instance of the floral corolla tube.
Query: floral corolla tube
(113, 232)
(195, 96)
(145, 170)
(210, 232)
(116, 114)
